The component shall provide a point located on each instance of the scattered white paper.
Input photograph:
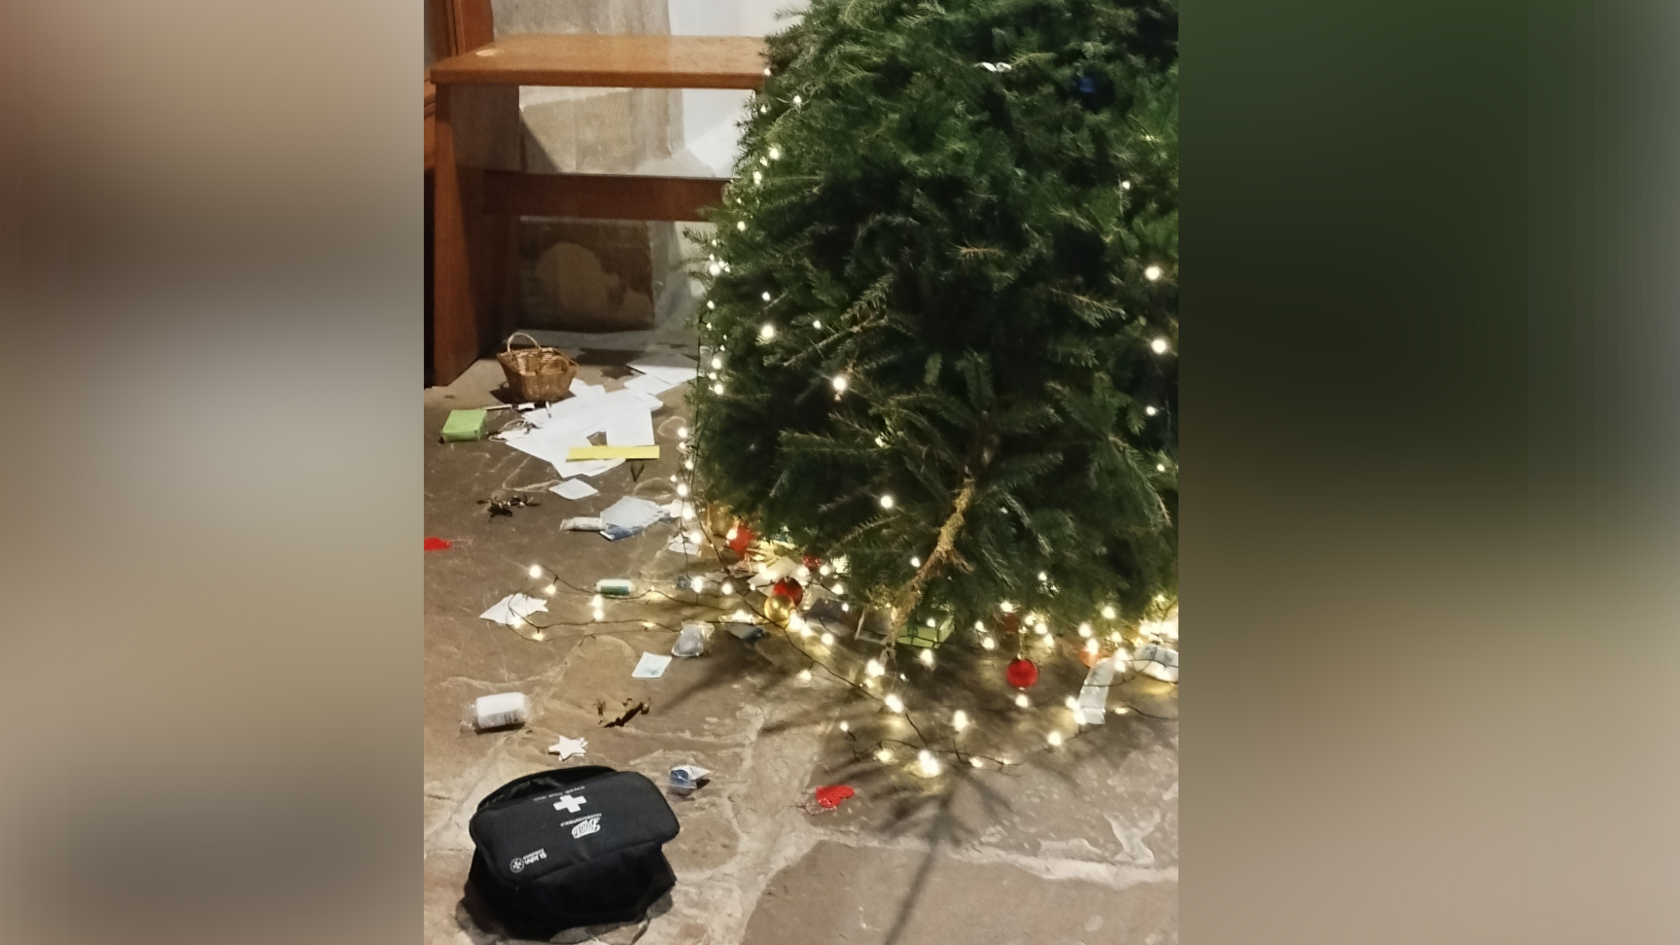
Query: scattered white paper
(582, 389)
(631, 512)
(574, 489)
(691, 641)
(1093, 695)
(629, 424)
(567, 747)
(683, 545)
(1153, 659)
(772, 571)
(652, 403)
(651, 666)
(653, 384)
(673, 367)
(512, 610)
(582, 523)
(745, 631)
(688, 777)
(587, 467)
(552, 432)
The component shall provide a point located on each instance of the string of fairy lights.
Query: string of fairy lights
(930, 752)
(939, 736)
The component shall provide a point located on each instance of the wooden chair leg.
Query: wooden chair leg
(472, 250)
(454, 338)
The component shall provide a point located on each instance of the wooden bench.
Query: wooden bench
(477, 203)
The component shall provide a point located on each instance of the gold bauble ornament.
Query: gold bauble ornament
(778, 608)
(718, 519)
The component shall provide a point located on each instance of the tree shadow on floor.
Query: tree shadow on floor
(481, 926)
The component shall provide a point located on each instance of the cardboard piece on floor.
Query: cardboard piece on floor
(574, 489)
(651, 666)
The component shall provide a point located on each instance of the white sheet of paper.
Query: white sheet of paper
(629, 425)
(673, 367)
(687, 777)
(631, 512)
(653, 384)
(1153, 659)
(652, 403)
(1093, 695)
(558, 428)
(651, 666)
(587, 467)
(682, 546)
(511, 610)
(772, 572)
(575, 412)
(551, 444)
(1093, 704)
(574, 489)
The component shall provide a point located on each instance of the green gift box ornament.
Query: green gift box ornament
(931, 631)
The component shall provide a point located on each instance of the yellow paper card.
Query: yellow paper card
(577, 453)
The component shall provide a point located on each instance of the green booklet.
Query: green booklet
(465, 424)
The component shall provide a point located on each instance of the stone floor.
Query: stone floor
(1076, 844)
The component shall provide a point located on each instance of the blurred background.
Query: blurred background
(1429, 461)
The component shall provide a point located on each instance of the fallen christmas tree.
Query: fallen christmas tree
(941, 303)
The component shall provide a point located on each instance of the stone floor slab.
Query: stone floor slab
(1075, 844)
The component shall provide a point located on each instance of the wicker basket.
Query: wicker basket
(537, 373)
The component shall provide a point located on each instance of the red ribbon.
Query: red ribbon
(830, 796)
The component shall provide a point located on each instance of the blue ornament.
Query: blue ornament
(1086, 85)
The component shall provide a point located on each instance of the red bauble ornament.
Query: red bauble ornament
(813, 562)
(743, 537)
(789, 588)
(1021, 673)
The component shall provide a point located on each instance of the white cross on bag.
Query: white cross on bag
(571, 804)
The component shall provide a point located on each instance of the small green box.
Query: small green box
(920, 634)
(464, 425)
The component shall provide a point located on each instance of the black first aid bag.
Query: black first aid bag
(571, 847)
